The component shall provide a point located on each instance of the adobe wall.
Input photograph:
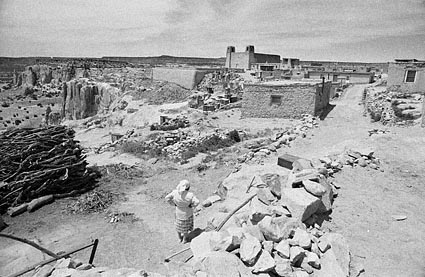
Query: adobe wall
(296, 100)
(361, 79)
(397, 74)
(185, 77)
(322, 97)
(266, 58)
(240, 60)
(353, 77)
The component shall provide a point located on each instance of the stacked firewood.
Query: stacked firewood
(41, 161)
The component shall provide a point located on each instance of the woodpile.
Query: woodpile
(41, 161)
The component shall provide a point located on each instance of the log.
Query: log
(39, 202)
(33, 244)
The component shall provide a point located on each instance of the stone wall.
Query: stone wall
(82, 99)
(397, 75)
(184, 77)
(284, 101)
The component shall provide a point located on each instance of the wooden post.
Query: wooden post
(423, 111)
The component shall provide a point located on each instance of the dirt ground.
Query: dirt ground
(368, 198)
(28, 111)
(362, 211)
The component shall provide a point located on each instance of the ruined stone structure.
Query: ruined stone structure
(285, 99)
(187, 78)
(407, 76)
(82, 99)
(245, 60)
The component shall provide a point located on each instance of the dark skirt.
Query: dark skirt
(184, 225)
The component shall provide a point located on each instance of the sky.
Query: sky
(337, 30)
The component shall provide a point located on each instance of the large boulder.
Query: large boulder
(223, 264)
(253, 230)
(301, 164)
(339, 246)
(329, 266)
(272, 227)
(265, 263)
(223, 240)
(313, 260)
(43, 271)
(300, 203)
(259, 210)
(314, 188)
(265, 195)
(302, 238)
(200, 245)
(282, 249)
(327, 198)
(296, 255)
(278, 228)
(283, 266)
(273, 182)
(249, 249)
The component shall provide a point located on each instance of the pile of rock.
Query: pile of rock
(171, 124)
(279, 234)
(197, 144)
(294, 252)
(75, 268)
(391, 107)
(334, 163)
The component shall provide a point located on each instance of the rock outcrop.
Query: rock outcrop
(82, 98)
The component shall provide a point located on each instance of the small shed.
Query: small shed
(285, 99)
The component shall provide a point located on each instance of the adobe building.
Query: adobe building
(407, 76)
(248, 59)
(342, 77)
(187, 78)
(285, 99)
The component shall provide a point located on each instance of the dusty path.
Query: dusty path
(368, 198)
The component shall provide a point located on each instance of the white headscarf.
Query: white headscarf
(182, 186)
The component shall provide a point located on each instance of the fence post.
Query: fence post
(423, 111)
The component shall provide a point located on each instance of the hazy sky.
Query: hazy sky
(349, 30)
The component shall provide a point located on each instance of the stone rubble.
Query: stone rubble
(262, 147)
(392, 107)
(362, 158)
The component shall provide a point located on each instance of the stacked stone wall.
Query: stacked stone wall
(295, 100)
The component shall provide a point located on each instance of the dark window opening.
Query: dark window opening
(410, 76)
(276, 100)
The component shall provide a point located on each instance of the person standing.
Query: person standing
(185, 202)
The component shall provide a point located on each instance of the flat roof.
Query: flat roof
(282, 83)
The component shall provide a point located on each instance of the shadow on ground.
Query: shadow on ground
(326, 111)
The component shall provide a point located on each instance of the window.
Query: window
(276, 100)
(410, 76)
